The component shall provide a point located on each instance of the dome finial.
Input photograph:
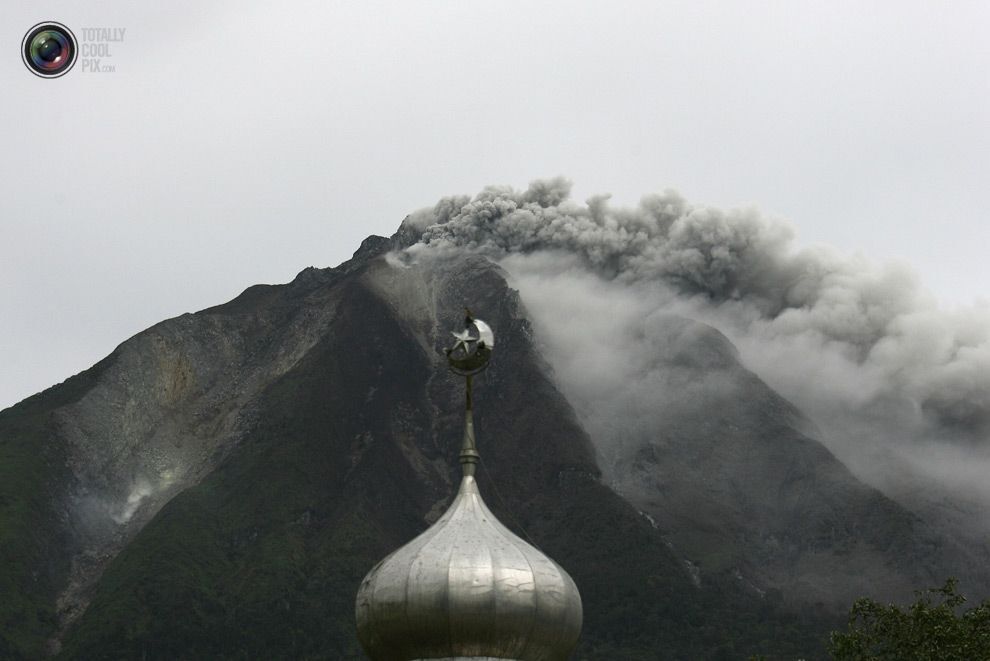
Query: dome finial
(473, 347)
(469, 356)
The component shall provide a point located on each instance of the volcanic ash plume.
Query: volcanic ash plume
(860, 348)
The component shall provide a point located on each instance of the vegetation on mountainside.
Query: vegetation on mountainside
(263, 558)
(33, 546)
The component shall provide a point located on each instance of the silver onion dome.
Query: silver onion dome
(467, 587)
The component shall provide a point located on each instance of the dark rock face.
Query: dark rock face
(220, 484)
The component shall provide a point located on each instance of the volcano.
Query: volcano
(218, 486)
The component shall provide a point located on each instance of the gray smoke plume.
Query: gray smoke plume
(882, 371)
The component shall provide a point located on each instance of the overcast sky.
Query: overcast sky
(242, 142)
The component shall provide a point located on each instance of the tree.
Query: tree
(930, 629)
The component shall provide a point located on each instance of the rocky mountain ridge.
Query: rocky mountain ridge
(220, 483)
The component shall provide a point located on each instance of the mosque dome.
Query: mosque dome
(467, 587)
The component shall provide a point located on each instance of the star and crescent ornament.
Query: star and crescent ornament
(472, 346)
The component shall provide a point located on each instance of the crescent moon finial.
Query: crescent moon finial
(472, 346)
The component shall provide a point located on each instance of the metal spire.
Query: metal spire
(469, 356)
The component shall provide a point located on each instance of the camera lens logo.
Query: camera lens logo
(49, 49)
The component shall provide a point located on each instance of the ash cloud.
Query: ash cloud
(882, 371)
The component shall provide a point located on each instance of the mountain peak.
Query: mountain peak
(372, 246)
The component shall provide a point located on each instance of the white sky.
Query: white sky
(242, 142)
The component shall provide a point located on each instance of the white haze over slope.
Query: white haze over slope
(898, 388)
